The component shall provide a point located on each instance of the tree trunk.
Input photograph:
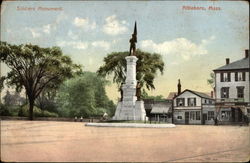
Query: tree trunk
(31, 106)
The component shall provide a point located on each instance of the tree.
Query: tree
(46, 101)
(34, 68)
(85, 96)
(146, 96)
(211, 80)
(147, 66)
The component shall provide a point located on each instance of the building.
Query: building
(162, 111)
(232, 90)
(158, 110)
(192, 107)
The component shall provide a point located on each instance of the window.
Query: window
(195, 115)
(179, 117)
(225, 92)
(191, 101)
(205, 101)
(198, 115)
(225, 77)
(180, 102)
(248, 111)
(240, 76)
(225, 114)
(210, 115)
(240, 92)
(192, 115)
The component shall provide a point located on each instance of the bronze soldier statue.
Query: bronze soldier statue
(138, 91)
(121, 91)
(132, 41)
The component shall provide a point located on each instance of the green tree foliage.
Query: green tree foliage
(84, 96)
(34, 68)
(46, 101)
(211, 80)
(146, 69)
(24, 112)
(4, 110)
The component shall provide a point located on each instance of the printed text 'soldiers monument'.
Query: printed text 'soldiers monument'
(131, 107)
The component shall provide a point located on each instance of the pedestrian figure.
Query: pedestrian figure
(216, 121)
(75, 118)
(81, 119)
(105, 116)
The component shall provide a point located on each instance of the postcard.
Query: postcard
(124, 81)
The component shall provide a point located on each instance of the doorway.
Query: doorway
(204, 118)
(186, 117)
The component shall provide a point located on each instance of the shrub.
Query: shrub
(4, 110)
(24, 111)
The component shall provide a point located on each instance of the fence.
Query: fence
(92, 119)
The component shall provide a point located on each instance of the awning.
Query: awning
(160, 109)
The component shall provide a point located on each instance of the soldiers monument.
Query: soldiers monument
(131, 107)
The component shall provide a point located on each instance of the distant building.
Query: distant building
(192, 107)
(162, 111)
(171, 95)
(232, 90)
(158, 110)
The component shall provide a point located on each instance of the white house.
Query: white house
(232, 90)
(192, 107)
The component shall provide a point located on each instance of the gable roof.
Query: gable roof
(200, 94)
(240, 64)
(171, 95)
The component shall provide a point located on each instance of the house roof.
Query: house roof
(161, 107)
(171, 95)
(239, 64)
(200, 94)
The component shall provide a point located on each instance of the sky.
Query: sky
(192, 42)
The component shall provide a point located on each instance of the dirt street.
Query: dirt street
(44, 141)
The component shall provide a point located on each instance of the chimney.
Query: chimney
(212, 94)
(227, 61)
(179, 87)
(246, 53)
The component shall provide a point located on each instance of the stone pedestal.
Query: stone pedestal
(129, 108)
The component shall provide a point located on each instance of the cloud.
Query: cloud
(84, 23)
(48, 28)
(179, 46)
(75, 44)
(39, 31)
(102, 44)
(114, 26)
(72, 35)
(35, 32)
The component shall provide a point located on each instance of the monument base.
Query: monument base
(135, 113)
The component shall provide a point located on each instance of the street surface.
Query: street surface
(43, 141)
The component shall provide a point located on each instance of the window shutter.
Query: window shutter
(227, 92)
(221, 77)
(194, 101)
(229, 76)
(188, 101)
(244, 76)
(236, 76)
(183, 101)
